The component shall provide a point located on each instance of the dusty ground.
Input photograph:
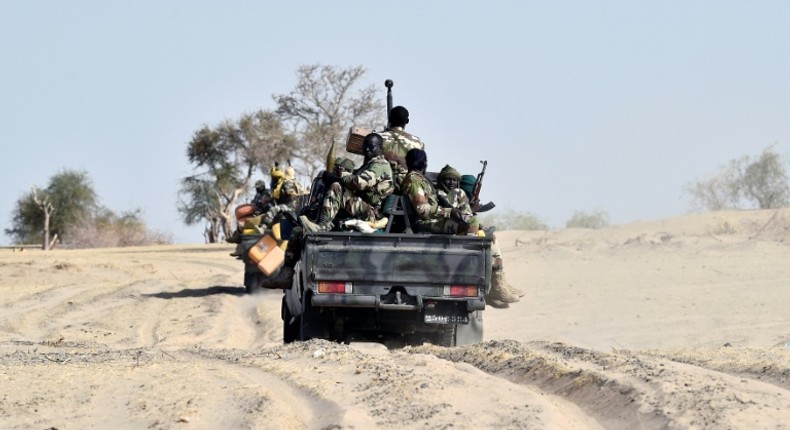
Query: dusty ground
(680, 323)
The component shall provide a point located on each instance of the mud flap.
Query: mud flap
(467, 334)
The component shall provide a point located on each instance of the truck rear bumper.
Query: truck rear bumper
(368, 301)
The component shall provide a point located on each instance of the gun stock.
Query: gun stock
(443, 202)
(484, 208)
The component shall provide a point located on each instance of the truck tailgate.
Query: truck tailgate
(399, 258)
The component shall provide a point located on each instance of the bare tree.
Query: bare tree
(47, 208)
(67, 211)
(718, 191)
(44, 214)
(322, 108)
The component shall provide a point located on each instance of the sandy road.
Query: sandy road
(165, 338)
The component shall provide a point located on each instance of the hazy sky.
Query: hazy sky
(576, 105)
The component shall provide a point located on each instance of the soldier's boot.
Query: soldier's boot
(513, 290)
(499, 288)
(235, 237)
(498, 267)
(495, 303)
(518, 292)
(312, 226)
(282, 280)
(238, 251)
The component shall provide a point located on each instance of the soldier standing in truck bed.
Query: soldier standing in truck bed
(397, 142)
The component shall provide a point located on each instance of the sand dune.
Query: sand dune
(676, 323)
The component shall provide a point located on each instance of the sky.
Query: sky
(612, 106)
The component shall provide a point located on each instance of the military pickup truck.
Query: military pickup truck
(396, 288)
(393, 286)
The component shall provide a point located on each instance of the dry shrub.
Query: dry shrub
(776, 228)
(724, 228)
(594, 220)
(107, 230)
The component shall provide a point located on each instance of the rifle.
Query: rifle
(475, 201)
(388, 83)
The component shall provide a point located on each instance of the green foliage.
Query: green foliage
(510, 219)
(77, 218)
(744, 183)
(594, 220)
(72, 197)
(324, 104)
(764, 181)
(228, 155)
(27, 221)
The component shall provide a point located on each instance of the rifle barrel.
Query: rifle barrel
(388, 83)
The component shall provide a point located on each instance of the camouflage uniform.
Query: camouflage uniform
(397, 143)
(270, 215)
(431, 217)
(359, 194)
(458, 200)
(501, 293)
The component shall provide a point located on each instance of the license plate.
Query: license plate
(446, 319)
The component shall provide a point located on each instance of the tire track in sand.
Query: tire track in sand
(630, 390)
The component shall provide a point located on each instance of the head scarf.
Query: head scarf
(449, 172)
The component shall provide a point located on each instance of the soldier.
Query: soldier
(343, 166)
(450, 195)
(286, 194)
(263, 199)
(360, 194)
(262, 203)
(397, 142)
(454, 200)
(501, 291)
(431, 217)
(287, 190)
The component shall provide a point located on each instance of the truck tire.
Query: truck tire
(445, 336)
(251, 282)
(312, 325)
(291, 324)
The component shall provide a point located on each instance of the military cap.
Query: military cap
(345, 163)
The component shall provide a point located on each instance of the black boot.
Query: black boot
(282, 280)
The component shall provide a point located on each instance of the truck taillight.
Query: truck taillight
(335, 287)
(460, 290)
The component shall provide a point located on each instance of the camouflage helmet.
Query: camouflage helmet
(260, 185)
